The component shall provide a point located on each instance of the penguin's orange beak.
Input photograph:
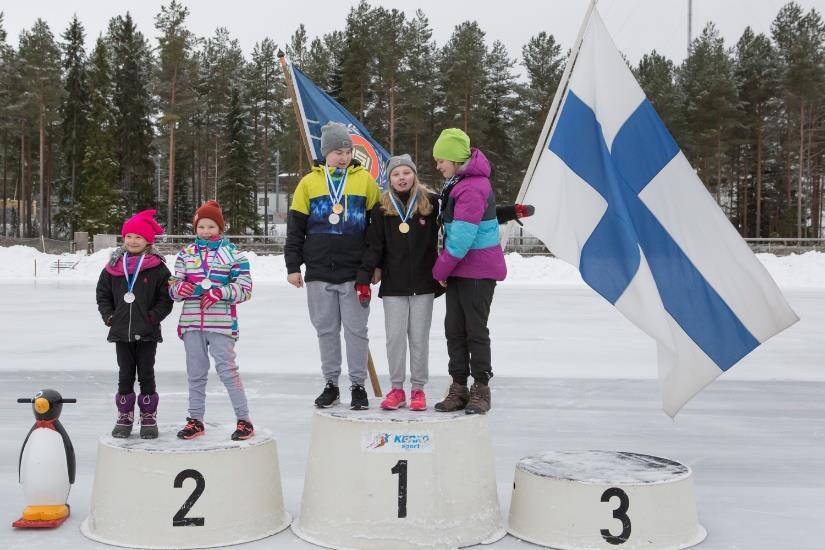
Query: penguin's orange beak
(41, 405)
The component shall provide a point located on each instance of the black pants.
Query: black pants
(465, 326)
(136, 357)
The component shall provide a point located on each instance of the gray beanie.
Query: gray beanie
(400, 160)
(334, 135)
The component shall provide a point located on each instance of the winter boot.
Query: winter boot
(329, 396)
(479, 399)
(125, 415)
(194, 428)
(457, 397)
(148, 405)
(244, 430)
(359, 398)
(394, 400)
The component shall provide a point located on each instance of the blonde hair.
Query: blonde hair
(423, 206)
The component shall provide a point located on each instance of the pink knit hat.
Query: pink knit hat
(143, 224)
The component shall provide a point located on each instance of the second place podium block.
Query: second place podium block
(168, 493)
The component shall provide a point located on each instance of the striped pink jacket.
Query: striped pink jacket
(228, 270)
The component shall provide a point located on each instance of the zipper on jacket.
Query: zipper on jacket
(129, 329)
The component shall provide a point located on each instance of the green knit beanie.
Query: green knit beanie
(452, 144)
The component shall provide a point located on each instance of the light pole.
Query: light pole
(277, 183)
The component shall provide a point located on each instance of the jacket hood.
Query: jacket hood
(476, 165)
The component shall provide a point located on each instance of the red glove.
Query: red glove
(209, 299)
(524, 210)
(364, 294)
(186, 289)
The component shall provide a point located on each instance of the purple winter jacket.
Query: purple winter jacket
(472, 247)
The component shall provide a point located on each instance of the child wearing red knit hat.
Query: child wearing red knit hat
(211, 278)
(133, 298)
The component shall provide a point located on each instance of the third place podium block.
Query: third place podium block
(169, 493)
(604, 499)
(401, 480)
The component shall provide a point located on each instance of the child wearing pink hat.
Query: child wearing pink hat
(133, 298)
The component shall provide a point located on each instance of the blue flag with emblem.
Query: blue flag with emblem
(316, 108)
(618, 199)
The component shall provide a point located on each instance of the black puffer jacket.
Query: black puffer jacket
(406, 259)
(141, 319)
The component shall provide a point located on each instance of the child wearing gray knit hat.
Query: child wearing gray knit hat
(401, 160)
(334, 135)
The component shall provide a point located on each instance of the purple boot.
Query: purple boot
(148, 415)
(125, 415)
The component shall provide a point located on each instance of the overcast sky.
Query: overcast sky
(637, 26)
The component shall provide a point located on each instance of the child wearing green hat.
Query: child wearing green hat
(470, 264)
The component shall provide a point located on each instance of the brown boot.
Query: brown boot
(457, 398)
(479, 399)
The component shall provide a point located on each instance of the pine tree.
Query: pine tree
(74, 113)
(100, 207)
(236, 192)
(706, 79)
(8, 121)
(358, 61)
(173, 83)
(417, 93)
(757, 78)
(657, 77)
(131, 63)
(40, 72)
(497, 141)
(389, 47)
(463, 80)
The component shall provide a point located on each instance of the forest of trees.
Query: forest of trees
(91, 136)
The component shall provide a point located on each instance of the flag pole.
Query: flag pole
(296, 105)
(551, 116)
(304, 130)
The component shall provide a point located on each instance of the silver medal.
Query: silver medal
(129, 297)
(334, 219)
(206, 284)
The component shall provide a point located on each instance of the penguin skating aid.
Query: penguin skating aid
(47, 464)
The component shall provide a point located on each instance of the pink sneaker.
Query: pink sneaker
(394, 400)
(418, 401)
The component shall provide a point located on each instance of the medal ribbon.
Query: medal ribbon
(205, 261)
(397, 204)
(130, 282)
(335, 193)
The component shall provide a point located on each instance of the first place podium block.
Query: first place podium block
(400, 480)
(170, 493)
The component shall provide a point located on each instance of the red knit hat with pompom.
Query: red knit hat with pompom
(143, 224)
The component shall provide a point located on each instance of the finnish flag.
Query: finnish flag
(620, 201)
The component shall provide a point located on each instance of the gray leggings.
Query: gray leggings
(408, 317)
(199, 345)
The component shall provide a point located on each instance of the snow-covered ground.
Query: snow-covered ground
(571, 373)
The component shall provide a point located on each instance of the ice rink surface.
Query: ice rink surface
(571, 373)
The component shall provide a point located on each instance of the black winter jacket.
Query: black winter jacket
(141, 319)
(406, 259)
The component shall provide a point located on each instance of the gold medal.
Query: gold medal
(404, 227)
(337, 208)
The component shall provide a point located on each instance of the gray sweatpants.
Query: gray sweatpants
(330, 306)
(408, 317)
(199, 344)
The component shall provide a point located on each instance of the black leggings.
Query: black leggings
(136, 357)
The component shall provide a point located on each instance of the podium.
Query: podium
(401, 479)
(171, 493)
(604, 499)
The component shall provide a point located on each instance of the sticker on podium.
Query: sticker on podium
(401, 480)
(604, 499)
(200, 493)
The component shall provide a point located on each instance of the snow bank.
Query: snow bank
(18, 263)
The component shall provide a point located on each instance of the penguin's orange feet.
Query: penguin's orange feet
(45, 513)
